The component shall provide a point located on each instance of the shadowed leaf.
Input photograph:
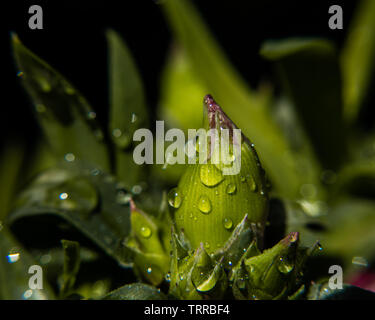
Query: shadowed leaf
(127, 107)
(135, 291)
(65, 116)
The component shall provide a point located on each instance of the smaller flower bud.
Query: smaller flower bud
(150, 257)
(274, 274)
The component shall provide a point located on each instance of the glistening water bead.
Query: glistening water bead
(284, 266)
(231, 188)
(228, 223)
(174, 198)
(146, 232)
(209, 175)
(204, 204)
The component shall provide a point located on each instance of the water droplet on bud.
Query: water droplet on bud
(204, 204)
(174, 198)
(228, 223)
(231, 188)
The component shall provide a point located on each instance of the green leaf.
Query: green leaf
(350, 226)
(135, 291)
(357, 59)
(10, 167)
(322, 291)
(14, 271)
(311, 76)
(71, 265)
(248, 109)
(128, 110)
(89, 200)
(65, 116)
(181, 90)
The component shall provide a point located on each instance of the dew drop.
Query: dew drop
(121, 139)
(149, 270)
(20, 74)
(13, 255)
(360, 261)
(63, 196)
(95, 172)
(210, 176)
(204, 204)
(284, 266)
(174, 198)
(40, 108)
(252, 184)
(168, 277)
(231, 188)
(146, 232)
(91, 115)
(228, 223)
(79, 195)
(137, 189)
(27, 294)
(69, 157)
(134, 118)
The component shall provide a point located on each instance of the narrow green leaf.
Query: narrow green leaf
(310, 72)
(358, 58)
(15, 265)
(135, 291)
(63, 113)
(71, 265)
(128, 110)
(89, 200)
(350, 228)
(181, 90)
(248, 109)
(10, 166)
(322, 291)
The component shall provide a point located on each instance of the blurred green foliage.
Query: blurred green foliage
(320, 165)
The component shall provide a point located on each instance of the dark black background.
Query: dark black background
(73, 42)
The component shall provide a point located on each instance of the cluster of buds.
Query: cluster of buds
(218, 223)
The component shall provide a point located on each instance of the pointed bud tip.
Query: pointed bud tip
(133, 207)
(292, 237)
(210, 103)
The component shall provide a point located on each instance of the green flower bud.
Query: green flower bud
(150, 257)
(195, 274)
(210, 204)
(274, 274)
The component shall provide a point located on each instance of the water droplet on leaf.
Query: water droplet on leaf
(146, 232)
(284, 266)
(121, 138)
(69, 157)
(134, 118)
(75, 194)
